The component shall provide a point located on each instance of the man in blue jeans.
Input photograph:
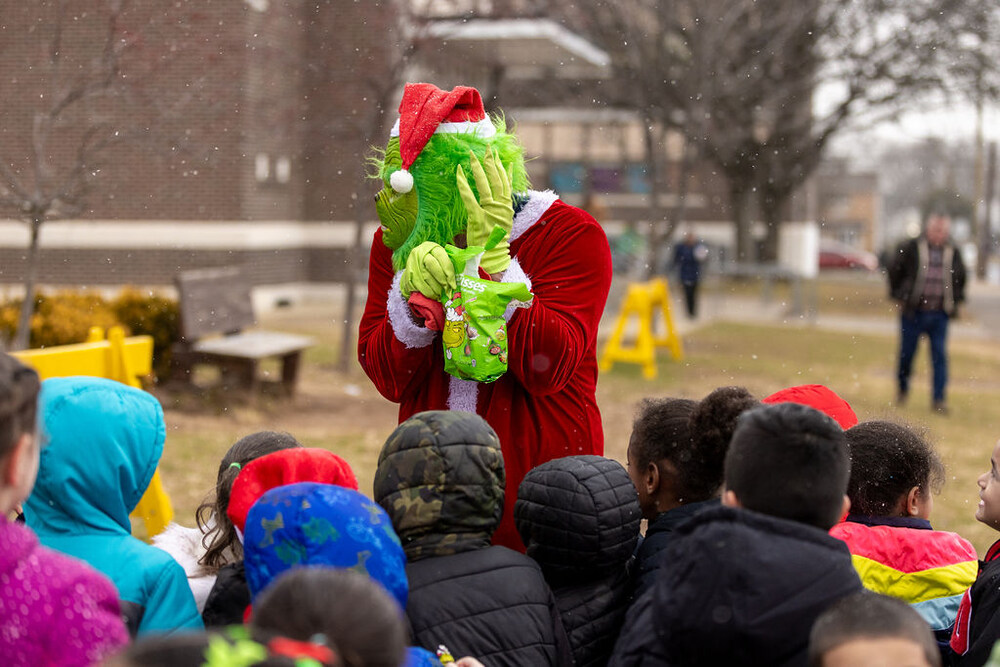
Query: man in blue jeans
(927, 279)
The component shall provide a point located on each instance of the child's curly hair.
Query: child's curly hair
(219, 534)
(693, 436)
(887, 460)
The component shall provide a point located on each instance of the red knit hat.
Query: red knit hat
(820, 397)
(426, 110)
(288, 466)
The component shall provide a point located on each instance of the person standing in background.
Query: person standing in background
(687, 260)
(927, 279)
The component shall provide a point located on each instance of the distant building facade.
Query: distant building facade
(248, 123)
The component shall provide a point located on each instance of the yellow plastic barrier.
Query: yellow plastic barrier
(643, 300)
(117, 358)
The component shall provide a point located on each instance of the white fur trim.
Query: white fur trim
(408, 332)
(184, 545)
(538, 203)
(462, 394)
(484, 129)
(401, 181)
(516, 274)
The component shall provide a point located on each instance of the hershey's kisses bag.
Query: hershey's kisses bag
(475, 332)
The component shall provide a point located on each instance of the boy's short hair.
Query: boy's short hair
(887, 460)
(789, 461)
(868, 615)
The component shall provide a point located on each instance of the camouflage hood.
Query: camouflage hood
(440, 477)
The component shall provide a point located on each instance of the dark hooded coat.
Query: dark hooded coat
(579, 519)
(440, 478)
(736, 588)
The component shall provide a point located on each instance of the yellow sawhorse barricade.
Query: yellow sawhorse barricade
(643, 301)
(117, 358)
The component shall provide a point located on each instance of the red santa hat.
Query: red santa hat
(426, 110)
(288, 466)
(820, 397)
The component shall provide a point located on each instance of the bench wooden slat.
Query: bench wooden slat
(216, 305)
(253, 344)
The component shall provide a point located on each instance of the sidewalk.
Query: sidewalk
(979, 319)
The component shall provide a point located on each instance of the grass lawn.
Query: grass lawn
(343, 413)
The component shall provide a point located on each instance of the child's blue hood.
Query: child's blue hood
(101, 443)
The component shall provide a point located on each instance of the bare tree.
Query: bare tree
(63, 152)
(737, 78)
(885, 56)
(94, 85)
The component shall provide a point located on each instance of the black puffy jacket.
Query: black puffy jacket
(229, 597)
(440, 478)
(736, 588)
(660, 532)
(579, 519)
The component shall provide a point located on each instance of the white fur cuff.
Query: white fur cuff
(407, 331)
(532, 211)
(515, 274)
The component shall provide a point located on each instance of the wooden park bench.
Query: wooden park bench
(216, 313)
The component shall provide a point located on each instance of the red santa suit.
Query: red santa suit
(545, 406)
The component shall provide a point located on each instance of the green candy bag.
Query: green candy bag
(475, 332)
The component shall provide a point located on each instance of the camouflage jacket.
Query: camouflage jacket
(440, 478)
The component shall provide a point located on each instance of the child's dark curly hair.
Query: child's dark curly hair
(712, 424)
(219, 532)
(660, 431)
(887, 460)
(693, 436)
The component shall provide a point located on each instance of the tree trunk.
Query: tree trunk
(739, 200)
(354, 264)
(771, 214)
(645, 264)
(679, 210)
(23, 336)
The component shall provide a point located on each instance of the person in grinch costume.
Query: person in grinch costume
(451, 176)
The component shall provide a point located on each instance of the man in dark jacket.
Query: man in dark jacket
(927, 279)
(579, 519)
(687, 259)
(742, 584)
(440, 478)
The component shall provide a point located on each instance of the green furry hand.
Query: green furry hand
(398, 214)
(494, 208)
(429, 271)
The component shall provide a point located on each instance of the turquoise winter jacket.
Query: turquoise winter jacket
(101, 443)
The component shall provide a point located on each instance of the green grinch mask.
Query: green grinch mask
(398, 215)
(433, 209)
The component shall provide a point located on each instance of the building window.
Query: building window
(283, 169)
(262, 167)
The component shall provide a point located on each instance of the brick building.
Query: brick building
(242, 126)
(238, 132)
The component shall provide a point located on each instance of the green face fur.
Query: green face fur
(433, 210)
(398, 215)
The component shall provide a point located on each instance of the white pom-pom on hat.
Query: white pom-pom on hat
(401, 181)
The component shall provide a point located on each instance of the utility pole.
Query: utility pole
(986, 232)
(980, 220)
